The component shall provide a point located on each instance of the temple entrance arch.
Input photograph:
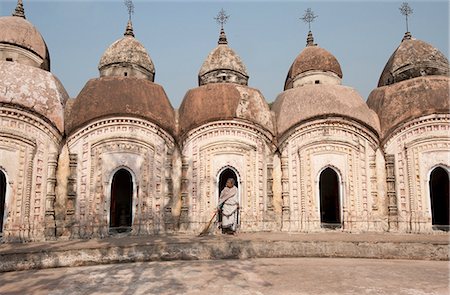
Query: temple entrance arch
(2, 198)
(224, 174)
(439, 195)
(120, 218)
(330, 204)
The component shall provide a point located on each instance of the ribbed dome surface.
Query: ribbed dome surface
(223, 101)
(18, 31)
(34, 89)
(410, 99)
(116, 96)
(223, 57)
(313, 58)
(413, 58)
(304, 103)
(223, 65)
(127, 50)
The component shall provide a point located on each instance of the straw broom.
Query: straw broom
(206, 229)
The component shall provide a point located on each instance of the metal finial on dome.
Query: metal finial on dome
(19, 11)
(309, 17)
(222, 19)
(406, 10)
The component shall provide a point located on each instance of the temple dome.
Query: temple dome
(127, 57)
(223, 101)
(313, 65)
(21, 42)
(223, 65)
(413, 58)
(34, 89)
(120, 96)
(410, 99)
(301, 104)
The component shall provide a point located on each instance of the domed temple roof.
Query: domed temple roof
(308, 102)
(35, 89)
(410, 99)
(413, 58)
(414, 83)
(312, 58)
(127, 52)
(17, 31)
(223, 101)
(121, 96)
(223, 65)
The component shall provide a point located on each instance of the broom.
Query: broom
(206, 229)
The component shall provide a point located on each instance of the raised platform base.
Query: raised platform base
(243, 246)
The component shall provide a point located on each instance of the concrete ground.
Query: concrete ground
(251, 276)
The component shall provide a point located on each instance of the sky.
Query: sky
(267, 35)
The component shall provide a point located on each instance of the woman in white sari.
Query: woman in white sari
(228, 207)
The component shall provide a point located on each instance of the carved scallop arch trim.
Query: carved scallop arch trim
(220, 125)
(109, 122)
(444, 166)
(411, 126)
(324, 144)
(320, 124)
(32, 120)
(225, 167)
(6, 134)
(335, 169)
(118, 142)
(227, 146)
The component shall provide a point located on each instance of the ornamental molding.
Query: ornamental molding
(326, 127)
(26, 124)
(110, 125)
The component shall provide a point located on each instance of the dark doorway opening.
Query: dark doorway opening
(439, 194)
(121, 201)
(224, 176)
(2, 198)
(330, 209)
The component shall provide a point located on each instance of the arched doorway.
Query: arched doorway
(121, 201)
(330, 208)
(439, 195)
(224, 175)
(2, 198)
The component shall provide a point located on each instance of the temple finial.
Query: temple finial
(406, 10)
(222, 19)
(222, 37)
(130, 7)
(129, 29)
(309, 17)
(310, 39)
(19, 11)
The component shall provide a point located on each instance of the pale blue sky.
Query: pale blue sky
(267, 35)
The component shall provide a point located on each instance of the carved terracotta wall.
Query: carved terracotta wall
(416, 148)
(351, 150)
(29, 148)
(101, 149)
(209, 149)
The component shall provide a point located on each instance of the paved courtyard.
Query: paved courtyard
(253, 276)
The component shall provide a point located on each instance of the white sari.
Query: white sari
(229, 199)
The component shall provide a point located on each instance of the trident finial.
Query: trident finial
(406, 10)
(222, 18)
(309, 17)
(130, 7)
(19, 11)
